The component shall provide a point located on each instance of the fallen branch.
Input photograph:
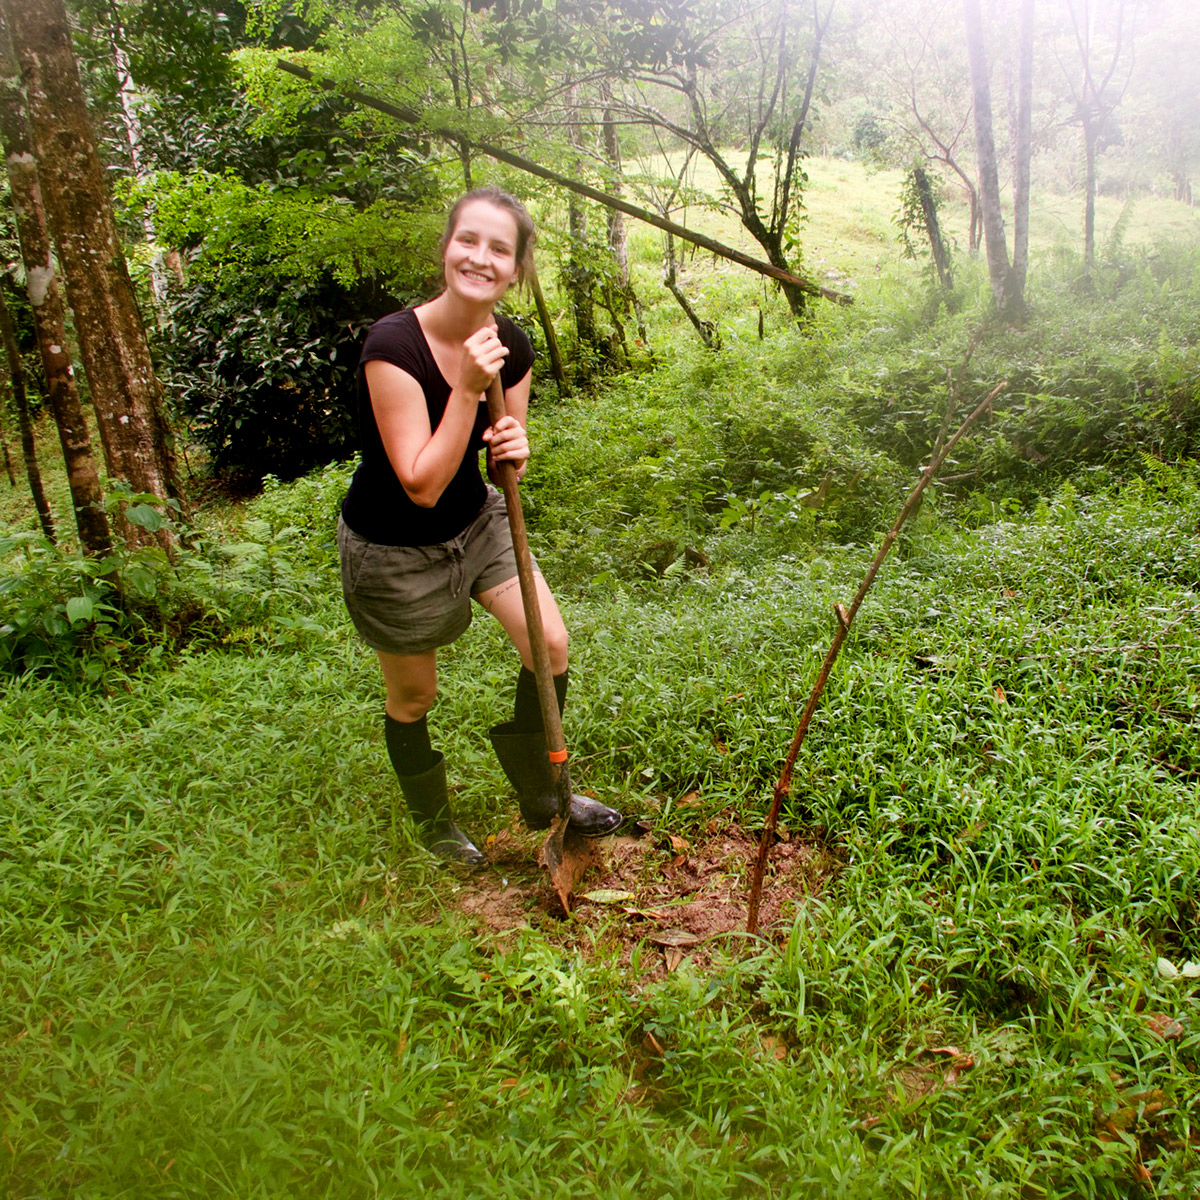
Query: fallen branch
(845, 618)
(410, 116)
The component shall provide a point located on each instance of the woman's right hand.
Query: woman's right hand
(483, 355)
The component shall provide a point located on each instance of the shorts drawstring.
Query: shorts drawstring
(458, 576)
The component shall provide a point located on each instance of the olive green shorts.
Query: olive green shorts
(410, 599)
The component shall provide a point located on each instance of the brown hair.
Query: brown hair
(526, 234)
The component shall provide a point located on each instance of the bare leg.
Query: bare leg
(504, 603)
(411, 681)
(411, 689)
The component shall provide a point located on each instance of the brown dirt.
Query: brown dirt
(676, 898)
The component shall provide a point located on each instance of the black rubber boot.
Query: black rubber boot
(523, 757)
(429, 805)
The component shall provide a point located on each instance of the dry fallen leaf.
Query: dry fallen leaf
(651, 914)
(1167, 1027)
(673, 937)
(672, 957)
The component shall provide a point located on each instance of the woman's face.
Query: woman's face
(480, 261)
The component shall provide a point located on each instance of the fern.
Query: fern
(1115, 241)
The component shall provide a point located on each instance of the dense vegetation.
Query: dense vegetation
(226, 972)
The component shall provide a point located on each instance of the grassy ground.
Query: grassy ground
(224, 973)
(222, 976)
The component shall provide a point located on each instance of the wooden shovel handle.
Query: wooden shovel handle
(556, 745)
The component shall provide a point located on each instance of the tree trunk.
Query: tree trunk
(21, 403)
(8, 467)
(132, 122)
(1090, 136)
(1007, 297)
(83, 476)
(618, 239)
(1023, 147)
(706, 329)
(125, 392)
(556, 362)
(933, 228)
(579, 276)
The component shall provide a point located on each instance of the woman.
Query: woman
(421, 535)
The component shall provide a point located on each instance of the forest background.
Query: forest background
(225, 966)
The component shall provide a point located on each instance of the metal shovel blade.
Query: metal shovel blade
(553, 856)
(553, 859)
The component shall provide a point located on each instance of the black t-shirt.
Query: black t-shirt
(377, 507)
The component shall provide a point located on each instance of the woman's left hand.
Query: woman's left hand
(507, 441)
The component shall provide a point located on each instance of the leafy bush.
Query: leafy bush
(68, 616)
(307, 508)
(1096, 377)
(267, 384)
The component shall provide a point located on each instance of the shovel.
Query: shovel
(551, 857)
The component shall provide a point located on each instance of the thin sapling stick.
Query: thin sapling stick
(845, 618)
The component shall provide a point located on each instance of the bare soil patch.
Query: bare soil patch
(669, 898)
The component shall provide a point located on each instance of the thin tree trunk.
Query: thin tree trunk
(933, 228)
(1008, 300)
(1023, 147)
(706, 329)
(556, 362)
(8, 467)
(41, 285)
(21, 403)
(618, 238)
(132, 122)
(1089, 191)
(125, 392)
(578, 273)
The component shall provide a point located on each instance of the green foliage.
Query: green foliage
(270, 388)
(67, 616)
(215, 943)
(687, 448)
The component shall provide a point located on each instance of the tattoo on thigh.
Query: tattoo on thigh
(497, 592)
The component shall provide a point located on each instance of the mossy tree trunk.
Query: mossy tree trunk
(124, 389)
(41, 283)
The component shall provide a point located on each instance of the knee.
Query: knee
(410, 703)
(556, 644)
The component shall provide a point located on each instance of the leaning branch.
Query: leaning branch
(410, 116)
(845, 618)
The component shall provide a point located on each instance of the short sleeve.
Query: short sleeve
(396, 339)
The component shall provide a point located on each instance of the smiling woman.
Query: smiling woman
(422, 534)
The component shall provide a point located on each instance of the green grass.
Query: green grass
(221, 974)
